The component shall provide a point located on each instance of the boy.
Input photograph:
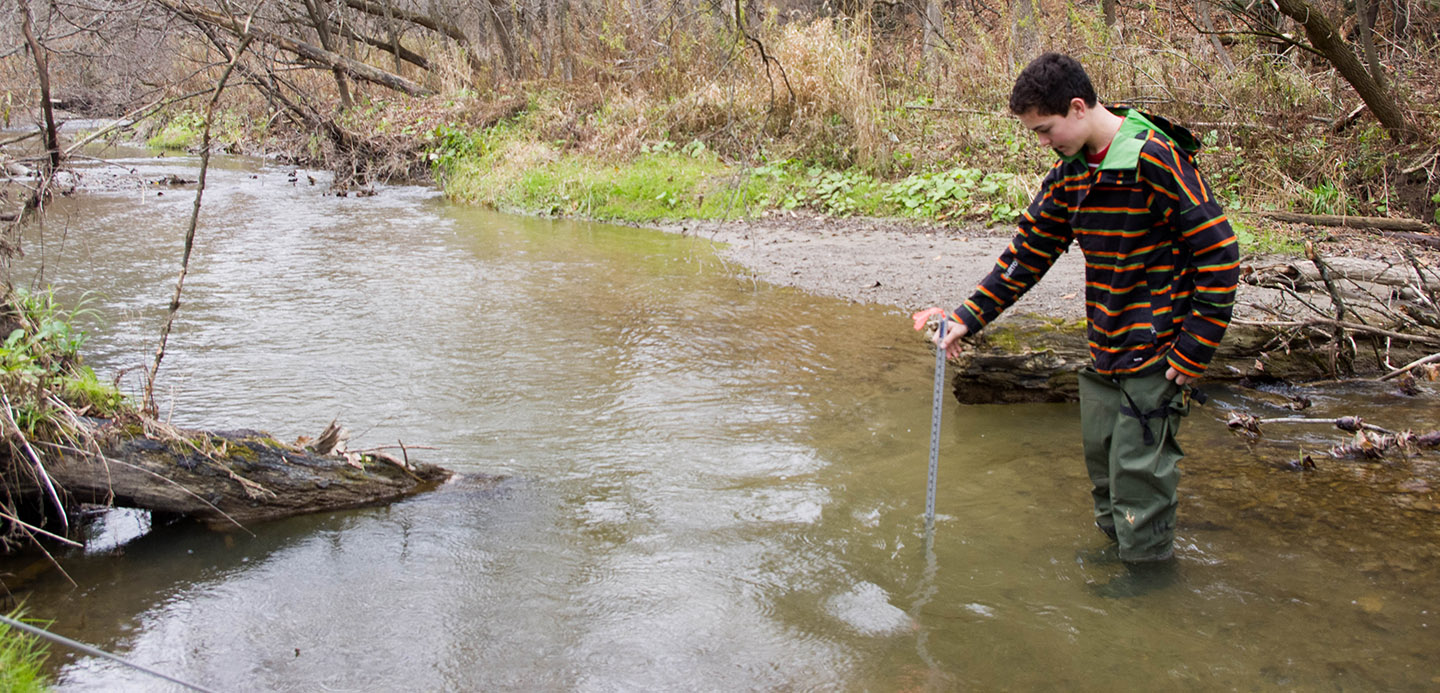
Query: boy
(1161, 264)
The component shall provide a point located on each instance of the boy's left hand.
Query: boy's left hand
(1178, 377)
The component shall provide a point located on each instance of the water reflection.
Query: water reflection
(708, 484)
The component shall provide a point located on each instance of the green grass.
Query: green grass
(1264, 241)
(508, 167)
(504, 168)
(179, 133)
(22, 658)
(184, 131)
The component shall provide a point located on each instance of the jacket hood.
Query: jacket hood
(1124, 152)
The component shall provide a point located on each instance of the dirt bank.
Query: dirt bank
(897, 263)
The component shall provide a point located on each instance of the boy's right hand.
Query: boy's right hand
(951, 343)
(953, 330)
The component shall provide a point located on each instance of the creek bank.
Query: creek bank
(1033, 351)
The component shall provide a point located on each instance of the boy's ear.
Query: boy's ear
(1078, 106)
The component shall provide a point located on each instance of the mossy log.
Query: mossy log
(230, 478)
(1027, 358)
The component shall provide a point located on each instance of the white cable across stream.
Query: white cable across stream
(96, 652)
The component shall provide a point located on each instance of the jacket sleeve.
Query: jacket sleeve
(1200, 224)
(1044, 235)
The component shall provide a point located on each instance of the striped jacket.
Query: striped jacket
(1161, 262)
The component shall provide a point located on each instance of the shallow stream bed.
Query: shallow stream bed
(709, 483)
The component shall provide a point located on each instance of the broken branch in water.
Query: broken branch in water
(1431, 372)
(1370, 442)
(1250, 425)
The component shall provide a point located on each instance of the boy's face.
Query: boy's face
(1066, 134)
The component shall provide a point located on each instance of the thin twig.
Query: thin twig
(130, 119)
(33, 528)
(1328, 422)
(1407, 367)
(149, 401)
(39, 466)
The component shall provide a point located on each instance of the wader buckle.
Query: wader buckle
(1134, 411)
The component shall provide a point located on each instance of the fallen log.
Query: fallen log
(1028, 358)
(226, 478)
(1391, 274)
(1381, 223)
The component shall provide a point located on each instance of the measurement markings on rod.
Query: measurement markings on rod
(935, 405)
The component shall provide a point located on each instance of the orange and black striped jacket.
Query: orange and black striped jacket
(1161, 262)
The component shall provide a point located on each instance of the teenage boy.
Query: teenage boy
(1161, 264)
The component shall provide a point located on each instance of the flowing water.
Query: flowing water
(709, 484)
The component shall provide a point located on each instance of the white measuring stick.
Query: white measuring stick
(935, 426)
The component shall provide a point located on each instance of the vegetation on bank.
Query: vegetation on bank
(46, 390)
(931, 147)
(40, 365)
(22, 658)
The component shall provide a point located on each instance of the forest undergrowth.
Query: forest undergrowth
(844, 115)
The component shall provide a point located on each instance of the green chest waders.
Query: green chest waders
(1132, 458)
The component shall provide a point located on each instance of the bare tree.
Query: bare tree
(1326, 40)
(42, 73)
(1024, 31)
(320, 19)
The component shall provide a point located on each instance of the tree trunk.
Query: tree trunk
(1380, 223)
(547, 38)
(1108, 7)
(1203, 9)
(1400, 21)
(503, 22)
(1024, 39)
(321, 22)
(42, 72)
(391, 45)
(353, 68)
(439, 26)
(1366, 12)
(933, 38)
(1326, 39)
(567, 59)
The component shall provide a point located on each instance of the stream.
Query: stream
(707, 483)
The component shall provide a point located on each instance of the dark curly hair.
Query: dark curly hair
(1048, 84)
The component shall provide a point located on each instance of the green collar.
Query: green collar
(1124, 152)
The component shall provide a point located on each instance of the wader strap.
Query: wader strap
(1134, 411)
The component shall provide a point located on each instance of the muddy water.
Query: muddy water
(709, 484)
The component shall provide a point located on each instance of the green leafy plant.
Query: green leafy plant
(841, 193)
(42, 355)
(1324, 198)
